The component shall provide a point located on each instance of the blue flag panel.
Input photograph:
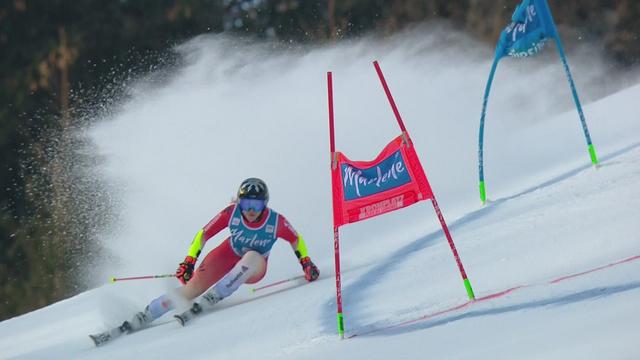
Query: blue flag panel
(527, 32)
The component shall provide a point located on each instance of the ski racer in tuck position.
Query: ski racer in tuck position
(241, 258)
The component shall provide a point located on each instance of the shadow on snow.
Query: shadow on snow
(356, 291)
(585, 295)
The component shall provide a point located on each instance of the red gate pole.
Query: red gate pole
(467, 283)
(330, 97)
(465, 279)
(336, 244)
(336, 233)
(389, 97)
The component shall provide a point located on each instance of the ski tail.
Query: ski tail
(107, 336)
(186, 316)
(182, 318)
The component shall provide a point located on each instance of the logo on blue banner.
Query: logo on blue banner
(526, 34)
(388, 174)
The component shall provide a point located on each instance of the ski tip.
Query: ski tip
(96, 340)
(112, 279)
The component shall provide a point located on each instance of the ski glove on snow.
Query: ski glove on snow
(311, 271)
(185, 269)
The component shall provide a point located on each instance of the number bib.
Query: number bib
(244, 238)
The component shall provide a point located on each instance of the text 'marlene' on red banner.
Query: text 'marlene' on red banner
(364, 189)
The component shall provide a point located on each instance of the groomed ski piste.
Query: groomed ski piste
(552, 258)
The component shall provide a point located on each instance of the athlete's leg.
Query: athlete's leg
(250, 269)
(259, 274)
(214, 266)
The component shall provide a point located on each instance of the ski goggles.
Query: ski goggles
(252, 204)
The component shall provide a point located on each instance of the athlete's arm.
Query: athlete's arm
(288, 233)
(186, 267)
(217, 224)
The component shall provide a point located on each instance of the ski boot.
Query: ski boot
(209, 299)
(139, 321)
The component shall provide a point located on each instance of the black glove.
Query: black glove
(185, 269)
(311, 271)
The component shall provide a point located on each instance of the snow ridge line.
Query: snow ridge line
(492, 296)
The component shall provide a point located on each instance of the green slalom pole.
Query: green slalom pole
(483, 193)
(547, 18)
(574, 93)
(592, 153)
(483, 114)
(467, 285)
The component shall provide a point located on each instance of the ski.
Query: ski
(210, 299)
(105, 337)
(195, 310)
(109, 335)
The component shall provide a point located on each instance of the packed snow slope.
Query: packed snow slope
(177, 149)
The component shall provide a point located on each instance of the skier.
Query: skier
(240, 258)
